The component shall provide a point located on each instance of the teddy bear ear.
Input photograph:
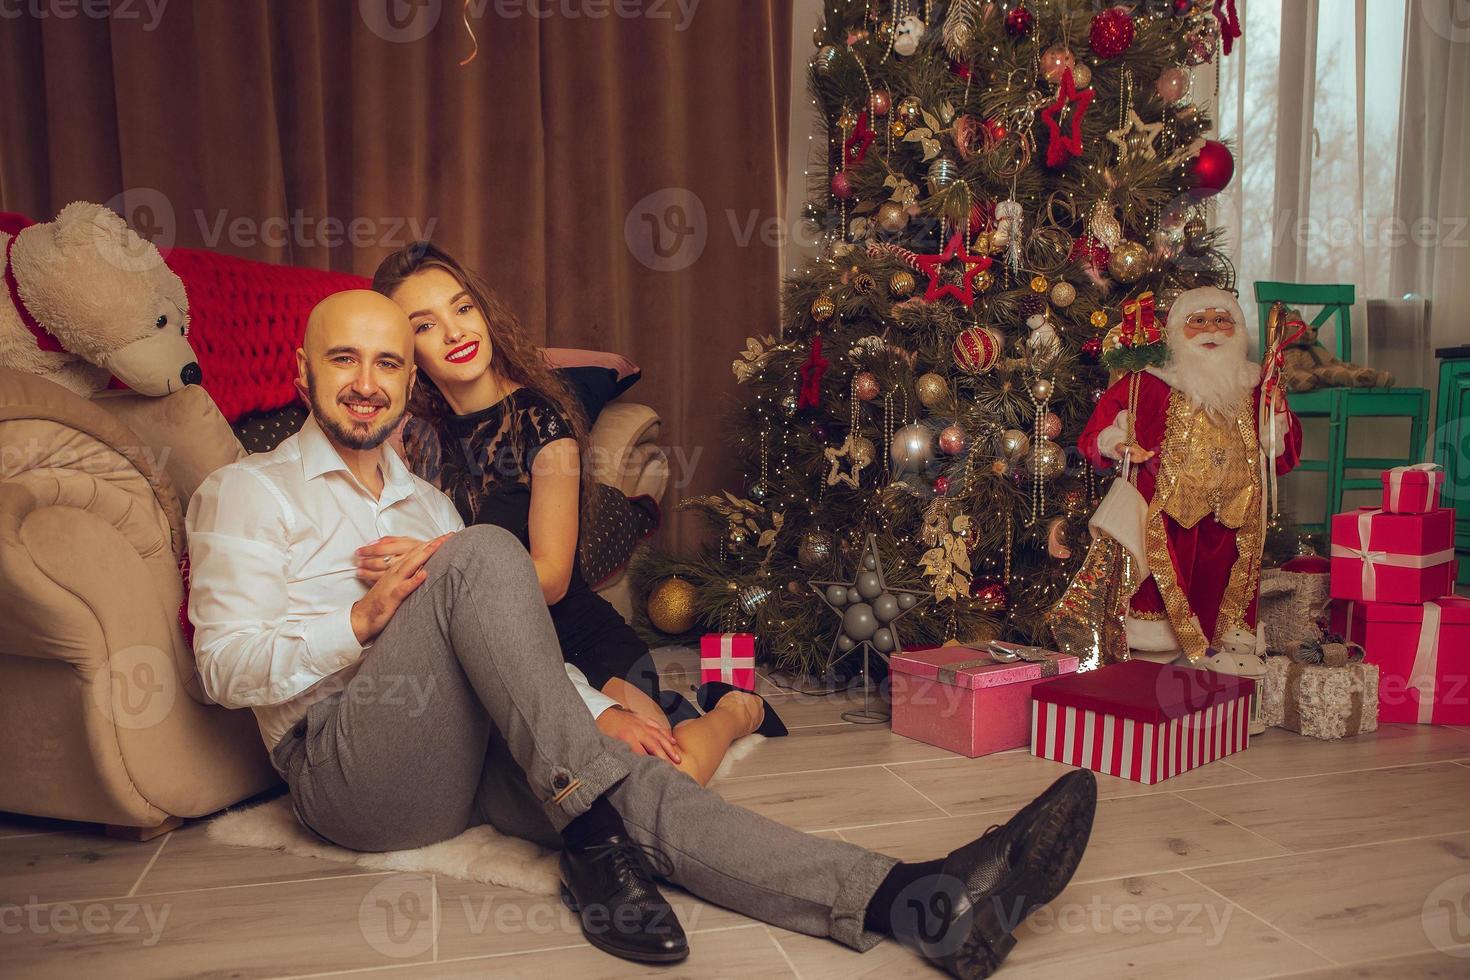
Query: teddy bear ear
(82, 222)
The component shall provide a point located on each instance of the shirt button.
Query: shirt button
(560, 781)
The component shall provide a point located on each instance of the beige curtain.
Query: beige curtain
(602, 169)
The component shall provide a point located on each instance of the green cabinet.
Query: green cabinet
(1452, 444)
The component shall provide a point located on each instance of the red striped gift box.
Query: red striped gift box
(1141, 721)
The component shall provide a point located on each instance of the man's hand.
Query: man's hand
(643, 736)
(1136, 453)
(374, 560)
(406, 573)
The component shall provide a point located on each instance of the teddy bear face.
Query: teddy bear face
(108, 297)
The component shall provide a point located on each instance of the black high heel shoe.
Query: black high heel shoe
(709, 695)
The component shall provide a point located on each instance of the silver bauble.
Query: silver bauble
(1014, 444)
(837, 595)
(815, 549)
(942, 173)
(869, 586)
(913, 448)
(885, 608)
(824, 60)
(858, 622)
(751, 598)
(883, 640)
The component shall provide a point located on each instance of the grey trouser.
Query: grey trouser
(495, 733)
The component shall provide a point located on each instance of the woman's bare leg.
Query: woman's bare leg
(704, 740)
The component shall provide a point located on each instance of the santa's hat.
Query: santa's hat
(1192, 301)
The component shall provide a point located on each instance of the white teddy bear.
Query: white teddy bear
(85, 300)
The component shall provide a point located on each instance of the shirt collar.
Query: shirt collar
(319, 457)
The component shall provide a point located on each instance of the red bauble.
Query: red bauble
(959, 69)
(976, 349)
(841, 186)
(1085, 248)
(992, 594)
(1183, 7)
(995, 130)
(1018, 22)
(1212, 169)
(941, 486)
(1091, 350)
(1112, 33)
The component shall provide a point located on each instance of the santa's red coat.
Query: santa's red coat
(1204, 554)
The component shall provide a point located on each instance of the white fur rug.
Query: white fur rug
(479, 854)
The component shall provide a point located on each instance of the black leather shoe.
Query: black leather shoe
(709, 695)
(610, 886)
(988, 887)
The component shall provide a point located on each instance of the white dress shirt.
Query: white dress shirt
(273, 573)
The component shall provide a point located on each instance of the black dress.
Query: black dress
(483, 463)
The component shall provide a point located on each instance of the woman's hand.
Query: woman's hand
(376, 558)
(645, 737)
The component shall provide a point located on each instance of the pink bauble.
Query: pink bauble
(952, 440)
(1212, 168)
(865, 386)
(1173, 84)
(841, 185)
(1055, 60)
(880, 102)
(1051, 426)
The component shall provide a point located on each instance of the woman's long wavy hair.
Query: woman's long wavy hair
(513, 356)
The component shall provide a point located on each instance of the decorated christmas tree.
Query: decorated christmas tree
(1012, 195)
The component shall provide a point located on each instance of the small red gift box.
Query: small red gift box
(1381, 557)
(1412, 489)
(728, 657)
(1422, 652)
(965, 701)
(1140, 720)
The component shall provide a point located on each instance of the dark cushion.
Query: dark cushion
(595, 387)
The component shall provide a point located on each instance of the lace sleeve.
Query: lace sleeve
(542, 424)
(421, 451)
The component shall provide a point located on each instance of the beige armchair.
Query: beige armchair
(101, 712)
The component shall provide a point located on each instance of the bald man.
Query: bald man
(437, 699)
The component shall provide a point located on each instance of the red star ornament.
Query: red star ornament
(933, 267)
(811, 376)
(1059, 148)
(856, 145)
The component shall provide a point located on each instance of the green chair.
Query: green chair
(1341, 405)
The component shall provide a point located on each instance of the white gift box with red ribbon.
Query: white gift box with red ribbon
(1412, 489)
(728, 657)
(1382, 557)
(1423, 653)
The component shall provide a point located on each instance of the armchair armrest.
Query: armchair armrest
(625, 453)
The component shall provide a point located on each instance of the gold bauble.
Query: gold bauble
(863, 283)
(736, 535)
(1128, 262)
(982, 244)
(1099, 319)
(910, 113)
(1038, 284)
(891, 216)
(1041, 389)
(1062, 294)
(863, 452)
(984, 279)
(1014, 444)
(671, 606)
(932, 389)
(847, 120)
(1081, 76)
(823, 308)
(1048, 461)
(897, 129)
(901, 283)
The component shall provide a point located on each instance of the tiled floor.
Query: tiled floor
(1296, 857)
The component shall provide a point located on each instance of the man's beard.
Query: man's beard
(1218, 379)
(350, 436)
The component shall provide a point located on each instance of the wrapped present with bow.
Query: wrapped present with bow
(1422, 652)
(1382, 557)
(1412, 489)
(970, 701)
(728, 657)
(1137, 341)
(1322, 689)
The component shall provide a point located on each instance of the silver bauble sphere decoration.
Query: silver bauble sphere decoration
(815, 549)
(825, 59)
(752, 597)
(913, 448)
(942, 173)
(1014, 444)
(858, 622)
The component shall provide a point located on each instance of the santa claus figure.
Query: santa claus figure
(1192, 433)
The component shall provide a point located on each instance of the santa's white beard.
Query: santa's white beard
(1218, 379)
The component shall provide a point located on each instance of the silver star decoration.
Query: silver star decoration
(1143, 146)
(869, 564)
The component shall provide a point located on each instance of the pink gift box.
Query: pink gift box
(964, 701)
(728, 657)
(1412, 489)
(1141, 721)
(1405, 558)
(1421, 651)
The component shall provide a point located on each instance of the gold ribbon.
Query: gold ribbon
(467, 27)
